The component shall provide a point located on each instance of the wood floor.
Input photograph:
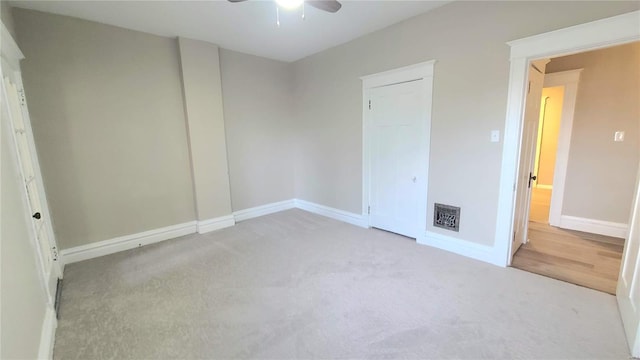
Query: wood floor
(540, 203)
(580, 258)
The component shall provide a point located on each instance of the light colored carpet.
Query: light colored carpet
(296, 285)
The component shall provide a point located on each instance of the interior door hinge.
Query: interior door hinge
(369, 104)
(369, 209)
(529, 89)
(23, 100)
(54, 253)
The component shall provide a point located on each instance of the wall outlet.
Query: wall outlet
(618, 136)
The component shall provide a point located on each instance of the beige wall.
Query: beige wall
(470, 93)
(7, 19)
(22, 297)
(258, 104)
(108, 119)
(601, 173)
(550, 116)
(202, 91)
(134, 138)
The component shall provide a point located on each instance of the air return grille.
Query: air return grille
(446, 217)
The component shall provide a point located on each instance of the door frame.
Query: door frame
(627, 288)
(594, 35)
(535, 66)
(420, 71)
(11, 57)
(569, 79)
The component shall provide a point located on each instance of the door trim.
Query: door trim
(569, 79)
(598, 34)
(524, 204)
(626, 290)
(11, 57)
(421, 71)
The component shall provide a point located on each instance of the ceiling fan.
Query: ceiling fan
(331, 6)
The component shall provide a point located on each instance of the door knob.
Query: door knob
(414, 179)
(37, 216)
(532, 178)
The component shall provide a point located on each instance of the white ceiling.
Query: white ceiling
(248, 27)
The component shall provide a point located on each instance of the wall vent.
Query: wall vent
(446, 217)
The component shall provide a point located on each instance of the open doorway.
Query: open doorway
(584, 167)
(546, 150)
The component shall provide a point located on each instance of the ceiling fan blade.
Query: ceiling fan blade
(326, 5)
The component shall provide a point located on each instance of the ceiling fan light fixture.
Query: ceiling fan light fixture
(289, 4)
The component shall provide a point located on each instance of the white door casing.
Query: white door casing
(628, 289)
(526, 171)
(16, 118)
(409, 84)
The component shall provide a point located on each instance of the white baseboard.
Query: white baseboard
(345, 216)
(593, 226)
(214, 224)
(262, 210)
(48, 334)
(461, 247)
(126, 242)
(458, 246)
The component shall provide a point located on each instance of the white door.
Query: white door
(628, 290)
(17, 117)
(397, 143)
(526, 174)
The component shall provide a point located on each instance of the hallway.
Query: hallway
(589, 260)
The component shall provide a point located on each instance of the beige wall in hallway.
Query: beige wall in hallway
(258, 115)
(108, 119)
(601, 173)
(468, 40)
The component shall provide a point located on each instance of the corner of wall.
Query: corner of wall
(203, 107)
(6, 14)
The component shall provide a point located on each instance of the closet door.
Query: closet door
(397, 142)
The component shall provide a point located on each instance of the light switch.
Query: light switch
(618, 136)
(495, 135)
